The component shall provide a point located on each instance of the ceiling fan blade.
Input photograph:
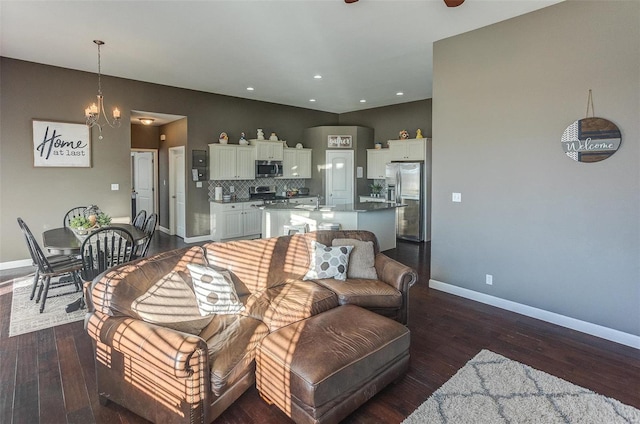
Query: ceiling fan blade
(453, 3)
(353, 1)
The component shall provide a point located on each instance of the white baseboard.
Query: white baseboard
(164, 230)
(197, 239)
(552, 317)
(15, 264)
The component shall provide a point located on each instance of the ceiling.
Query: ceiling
(370, 50)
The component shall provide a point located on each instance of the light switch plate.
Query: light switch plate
(456, 197)
(115, 187)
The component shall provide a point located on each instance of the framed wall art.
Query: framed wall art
(61, 144)
(339, 141)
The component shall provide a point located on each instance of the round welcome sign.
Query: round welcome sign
(591, 139)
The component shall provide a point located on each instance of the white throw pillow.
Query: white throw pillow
(328, 262)
(214, 291)
(171, 303)
(361, 260)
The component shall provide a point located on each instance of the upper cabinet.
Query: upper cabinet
(410, 149)
(268, 150)
(377, 160)
(296, 163)
(231, 162)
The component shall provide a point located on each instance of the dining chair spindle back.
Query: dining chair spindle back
(63, 267)
(105, 248)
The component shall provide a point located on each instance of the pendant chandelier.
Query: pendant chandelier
(96, 110)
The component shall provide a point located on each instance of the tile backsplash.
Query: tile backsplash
(241, 187)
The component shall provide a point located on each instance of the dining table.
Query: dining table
(64, 241)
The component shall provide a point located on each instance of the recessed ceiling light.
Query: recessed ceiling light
(249, 88)
(399, 93)
(317, 76)
(363, 101)
(312, 100)
(146, 121)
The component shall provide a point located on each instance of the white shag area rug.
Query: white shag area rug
(493, 389)
(25, 313)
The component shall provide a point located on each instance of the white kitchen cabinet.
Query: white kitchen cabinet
(377, 160)
(408, 150)
(235, 220)
(296, 163)
(231, 162)
(268, 150)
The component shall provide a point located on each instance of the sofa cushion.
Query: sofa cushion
(288, 303)
(114, 293)
(361, 260)
(214, 291)
(259, 264)
(365, 293)
(328, 262)
(171, 303)
(231, 341)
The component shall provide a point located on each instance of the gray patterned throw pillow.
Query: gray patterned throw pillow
(329, 262)
(214, 291)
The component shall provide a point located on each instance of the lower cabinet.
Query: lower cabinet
(235, 220)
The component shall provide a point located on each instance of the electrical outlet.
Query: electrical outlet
(456, 197)
(489, 279)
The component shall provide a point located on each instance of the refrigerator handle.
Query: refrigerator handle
(398, 184)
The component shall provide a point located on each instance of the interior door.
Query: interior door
(143, 182)
(339, 177)
(177, 191)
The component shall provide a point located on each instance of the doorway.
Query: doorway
(144, 177)
(339, 177)
(177, 191)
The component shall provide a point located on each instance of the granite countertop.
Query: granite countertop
(236, 200)
(247, 199)
(349, 207)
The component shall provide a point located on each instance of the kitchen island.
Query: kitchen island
(379, 218)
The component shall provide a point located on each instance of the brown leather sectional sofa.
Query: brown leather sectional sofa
(171, 370)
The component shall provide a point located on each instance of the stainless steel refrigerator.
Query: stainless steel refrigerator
(405, 185)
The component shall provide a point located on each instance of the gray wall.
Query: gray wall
(555, 234)
(316, 138)
(41, 196)
(388, 121)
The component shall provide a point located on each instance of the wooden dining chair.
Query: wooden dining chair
(149, 229)
(139, 220)
(56, 266)
(103, 249)
(74, 212)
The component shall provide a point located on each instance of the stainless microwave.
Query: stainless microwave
(268, 168)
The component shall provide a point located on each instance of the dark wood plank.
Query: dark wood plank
(49, 382)
(76, 398)
(26, 402)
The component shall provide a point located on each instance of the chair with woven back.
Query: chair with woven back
(103, 249)
(56, 266)
(139, 219)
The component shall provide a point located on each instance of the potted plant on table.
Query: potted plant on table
(83, 225)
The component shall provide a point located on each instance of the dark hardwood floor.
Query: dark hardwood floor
(48, 376)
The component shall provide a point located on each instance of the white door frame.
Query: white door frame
(173, 225)
(156, 172)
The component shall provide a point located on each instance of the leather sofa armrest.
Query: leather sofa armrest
(394, 273)
(171, 351)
